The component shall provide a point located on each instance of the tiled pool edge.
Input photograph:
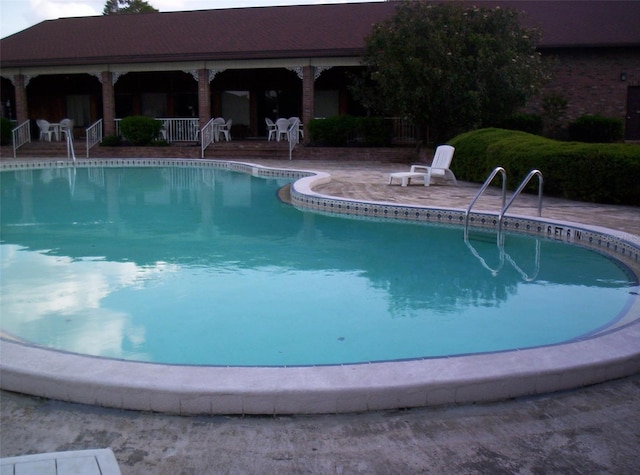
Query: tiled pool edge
(333, 389)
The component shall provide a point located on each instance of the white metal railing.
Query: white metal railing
(293, 134)
(94, 135)
(179, 130)
(403, 130)
(174, 129)
(207, 136)
(20, 136)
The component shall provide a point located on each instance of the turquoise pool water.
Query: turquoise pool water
(208, 267)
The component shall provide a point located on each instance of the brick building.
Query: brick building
(254, 63)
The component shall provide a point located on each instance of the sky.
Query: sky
(17, 15)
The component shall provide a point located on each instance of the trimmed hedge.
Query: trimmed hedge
(596, 129)
(599, 173)
(140, 130)
(5, 131)
(341, 131)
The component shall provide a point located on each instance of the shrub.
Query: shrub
(595, 128)
(5, 131)
(140, 130)
(111, 141)
(341, 131)
(531, 123)
(601, 173)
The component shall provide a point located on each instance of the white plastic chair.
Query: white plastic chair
(283, 128)
(225, 129)
(217, 122)
(439, 169)
(271, 128)
(46, 131)
(66, 127)
(296, 121)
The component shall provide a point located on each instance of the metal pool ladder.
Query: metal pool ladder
(500, 237)
(506, 206)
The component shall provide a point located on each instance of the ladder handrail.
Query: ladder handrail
(486, 184)
(71, 153)
(20, 135)
(293, 135)
(207, 136)
(524, 183)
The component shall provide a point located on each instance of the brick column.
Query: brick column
(108, 103)
(204, 97)
(308, 96)
(21, 106)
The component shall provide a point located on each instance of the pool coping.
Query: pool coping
(192, 390)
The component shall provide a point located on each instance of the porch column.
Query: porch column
(204, 97)
(308, 95)
(108, 104)
(21, 106)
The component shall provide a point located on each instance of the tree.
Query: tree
(116, 7)
(450, 67)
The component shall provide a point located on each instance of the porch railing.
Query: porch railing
(20, 135)
(174, 129)
(403, 130)
(94, 135)
(207, 136)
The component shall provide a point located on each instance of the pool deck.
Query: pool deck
(593, 429)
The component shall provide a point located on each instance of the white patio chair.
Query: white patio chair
(217, 122)
(294, 120)
(225, 129)
(271, 128)
(46, 131)
(439, 169)
(283, 128)
(66, 127)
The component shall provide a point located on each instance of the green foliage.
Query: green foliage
(531, 123)
(600, 173)
(595, 128)
(450, 67)
(341, 131)
(117, 7)
(554, 108)
(5, 131)
(111, 141)
(140, 130)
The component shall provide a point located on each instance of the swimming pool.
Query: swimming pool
(388, 288)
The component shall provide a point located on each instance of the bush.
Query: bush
(596, 129)
(531, 123)
(111, 141)
(140, 130)
(600, 173)
(341, 131)
(5, 131)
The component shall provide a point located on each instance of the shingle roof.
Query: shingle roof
(283, 32)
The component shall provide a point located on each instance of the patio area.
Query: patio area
(593, 429)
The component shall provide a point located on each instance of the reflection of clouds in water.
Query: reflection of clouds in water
(36, 286)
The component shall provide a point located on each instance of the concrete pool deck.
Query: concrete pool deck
(367, 181)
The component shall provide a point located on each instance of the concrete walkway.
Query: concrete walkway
(591, 430)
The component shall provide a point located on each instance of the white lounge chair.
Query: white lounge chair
(85, 462)
(439, 169)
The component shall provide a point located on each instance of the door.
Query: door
(632, 126)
